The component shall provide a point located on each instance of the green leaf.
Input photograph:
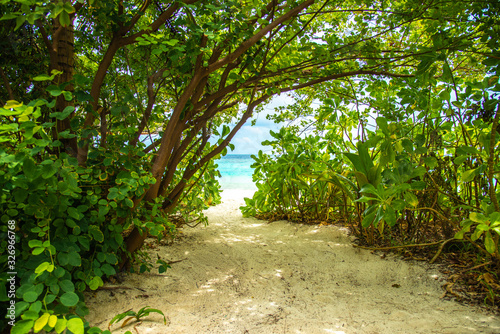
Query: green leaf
(108, 269)
(489, 243)
(64, 19)
(96, 233)
(19, 21)
(129, 202)
(9, 16)
(30, 296)
(477, 233)
(368, 219)
(469, 175)
(431, 162)
(111, 258)
(390, 216)
(54, 90)
(67, 95)
(370, 189)
(12, 104)
(63, 114)
(43, 77)
(22, 327)
(95, 283)
(74, 213)
(29, 168)
(35, 243)
(477, 217)
(75, 325)
(364, 199)
(48, 171)
(67, 285)
(42, 267)
(52, 321)
(398, 204)
(38, 251)
(74, 259)
(63, 258)
(172, 42)
(60, 325)
(382, 124)
(69, 299)
(411, 199)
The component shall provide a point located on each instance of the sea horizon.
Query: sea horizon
(236, 173)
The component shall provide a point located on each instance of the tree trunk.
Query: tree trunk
(62, 59)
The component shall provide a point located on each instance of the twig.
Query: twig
(475, 267)
(7, 84)
(435, 211)
(440, 249)
(119, 288)
(491, 158)
(401, 246)
(477, 246)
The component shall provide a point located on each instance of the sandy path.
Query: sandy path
(246, 276)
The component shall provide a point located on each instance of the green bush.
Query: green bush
(69, 220)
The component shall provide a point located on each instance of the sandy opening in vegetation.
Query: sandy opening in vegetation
(242, 275)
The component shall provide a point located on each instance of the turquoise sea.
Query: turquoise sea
(234, 168)
(236, 172)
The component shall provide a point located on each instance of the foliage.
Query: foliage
(85, 82)
(143, 312)
(429, 168)
(421, 149)
(69, 220)
(301, 184)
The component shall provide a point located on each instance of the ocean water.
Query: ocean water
(236, 172)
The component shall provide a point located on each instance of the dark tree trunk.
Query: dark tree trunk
(62, 59)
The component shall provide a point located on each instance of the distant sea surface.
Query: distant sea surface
(236, 172)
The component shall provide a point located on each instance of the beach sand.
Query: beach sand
(243, 275)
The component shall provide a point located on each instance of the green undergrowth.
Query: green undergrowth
(422, 170)
(63, 225)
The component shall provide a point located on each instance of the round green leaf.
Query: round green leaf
(30, 296)
(96, 233)
(63, 258)
(49, 298)
(129, 202)
(95, 283)
(67, 286)
(108, 269)
(75, 259)
(75, 325)
(69, 299)
(60, 325)
(54, 288)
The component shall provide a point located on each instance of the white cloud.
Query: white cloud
(249, 138)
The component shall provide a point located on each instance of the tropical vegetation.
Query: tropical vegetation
(113, 113)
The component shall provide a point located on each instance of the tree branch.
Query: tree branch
(7, 84)
(258, 36)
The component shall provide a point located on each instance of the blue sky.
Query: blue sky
(248, 139)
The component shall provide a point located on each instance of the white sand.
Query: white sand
(242, 275)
